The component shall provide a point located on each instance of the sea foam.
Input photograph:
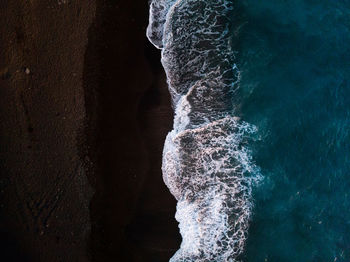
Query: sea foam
(207, 164)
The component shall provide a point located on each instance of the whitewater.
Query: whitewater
(207, 163)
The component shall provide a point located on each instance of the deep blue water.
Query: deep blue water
(294, 58)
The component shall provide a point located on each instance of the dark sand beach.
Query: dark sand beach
(84, 111)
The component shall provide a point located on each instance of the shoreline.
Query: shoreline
(133, 117)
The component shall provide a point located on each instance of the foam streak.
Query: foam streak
(207, 165)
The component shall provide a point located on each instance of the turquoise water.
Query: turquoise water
(294, 58)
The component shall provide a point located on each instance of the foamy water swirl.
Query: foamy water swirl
(207, 165)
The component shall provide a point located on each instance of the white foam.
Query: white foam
(207, 164)
(158, 11)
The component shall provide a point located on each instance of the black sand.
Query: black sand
(84, 112)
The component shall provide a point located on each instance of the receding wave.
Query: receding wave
(207, 164)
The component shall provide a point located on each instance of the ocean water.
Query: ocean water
(294, 58)
(259, 155)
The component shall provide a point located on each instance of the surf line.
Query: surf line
(207, 164)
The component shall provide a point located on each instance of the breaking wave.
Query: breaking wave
(207, 164)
